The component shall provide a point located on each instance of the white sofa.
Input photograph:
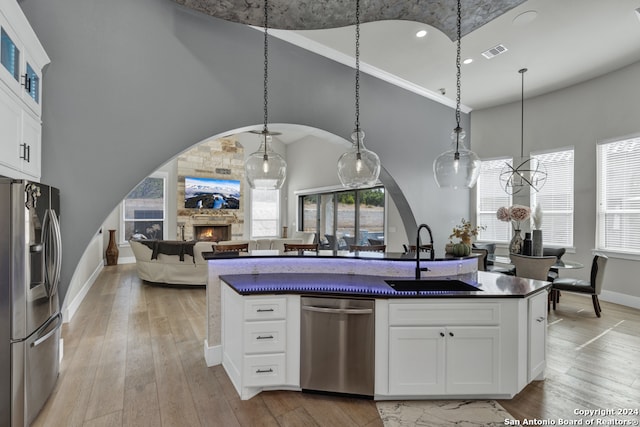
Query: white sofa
(170, 269)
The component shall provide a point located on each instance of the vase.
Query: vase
(537, 243)
(112, 249)
(515, 247)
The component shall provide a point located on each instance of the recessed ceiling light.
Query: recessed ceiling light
(467, 61)
(421, 33)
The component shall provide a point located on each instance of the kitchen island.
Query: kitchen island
(482, 343)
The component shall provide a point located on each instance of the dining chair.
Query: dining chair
(367, 248)
(532, 267)
(591, 287)
(375, 241)
(557, 252)
(231, 247)
(331, 241)
(482, 258)
(299, 247)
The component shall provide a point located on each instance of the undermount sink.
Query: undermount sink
(451, 285)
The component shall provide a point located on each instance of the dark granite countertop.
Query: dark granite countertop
(490, 285)
(388, 256)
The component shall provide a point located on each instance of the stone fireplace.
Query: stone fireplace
(219, 158)
(211, 232)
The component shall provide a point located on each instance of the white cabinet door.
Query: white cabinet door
(537, 342)
(30, 144)
(10, 130)
(416, 360)
(473, 359)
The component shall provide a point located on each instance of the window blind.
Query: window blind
(556, 197)
(618, 226)
(265, 213)
(490, 196)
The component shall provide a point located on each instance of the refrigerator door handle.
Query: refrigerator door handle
(53, 251)
(46, 242)
(57, 238)
(40, 340)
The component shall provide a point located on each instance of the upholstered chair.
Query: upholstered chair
(591, 287)
(532, 267)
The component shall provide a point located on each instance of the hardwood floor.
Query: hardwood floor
(133, 356)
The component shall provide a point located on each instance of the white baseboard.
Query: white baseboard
(622, 299)
(212, 355)
(68, 310)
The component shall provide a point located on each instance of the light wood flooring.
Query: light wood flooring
(133, 356)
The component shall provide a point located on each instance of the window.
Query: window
(490, 196)
(343, 218)
(556, 197)
(618, 224)
(143, 210)
(265, 213)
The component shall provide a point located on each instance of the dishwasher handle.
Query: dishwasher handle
(337, 310)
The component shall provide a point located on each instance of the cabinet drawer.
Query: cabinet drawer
(416, 314)
(265, 308)
(265, 337)
(263, 370)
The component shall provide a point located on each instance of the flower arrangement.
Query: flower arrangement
(515, 214)
(465, 231)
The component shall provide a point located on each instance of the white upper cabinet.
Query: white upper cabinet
(22, 59)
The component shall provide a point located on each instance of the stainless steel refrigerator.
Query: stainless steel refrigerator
(30, 319)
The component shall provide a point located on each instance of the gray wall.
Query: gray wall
(132, 84)
(579, 116)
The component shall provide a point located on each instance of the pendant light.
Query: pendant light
(459, 167)
(529, 172)
(265, 169)
(358, 167)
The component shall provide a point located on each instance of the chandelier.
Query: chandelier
(529, 172)
(358, 167)
(265, 169)
(458, 167)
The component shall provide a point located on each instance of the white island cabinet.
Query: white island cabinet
(261, 341)
(444, 348)
(22, 60)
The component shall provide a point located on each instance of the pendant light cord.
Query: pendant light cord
(265, 130)
(522, 71)
(358, 75)
(458, 74)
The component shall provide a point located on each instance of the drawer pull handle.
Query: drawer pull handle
(262, 310)
(441, 334)
(268, 337)
(540, 319)
(450, 334)
(264, 371)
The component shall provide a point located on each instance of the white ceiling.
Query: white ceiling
(568, 42)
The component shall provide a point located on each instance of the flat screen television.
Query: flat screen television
(211, 193)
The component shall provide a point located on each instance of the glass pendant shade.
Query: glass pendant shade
(458, 167)
(358, 167)
(265, 169)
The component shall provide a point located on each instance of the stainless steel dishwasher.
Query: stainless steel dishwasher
(337, 345)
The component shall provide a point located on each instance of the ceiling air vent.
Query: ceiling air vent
(494, 51)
